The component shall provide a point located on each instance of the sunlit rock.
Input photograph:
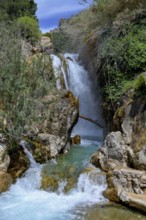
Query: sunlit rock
(5, 181)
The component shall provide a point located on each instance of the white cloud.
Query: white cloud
(47, 29)
(46, 9)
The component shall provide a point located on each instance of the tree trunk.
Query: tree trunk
(91, 120)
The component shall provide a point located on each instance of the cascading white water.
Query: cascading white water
(26, 200)
(89, 99)
(57, 69)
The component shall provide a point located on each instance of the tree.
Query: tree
(13, 9)
(29, 28)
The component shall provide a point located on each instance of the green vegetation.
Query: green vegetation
(61, 41)
(22, 13)
(112, 34)
(140, 85)
(122, 57)
(23, 83)
(117, 38)
(13, 9)
(29, 28)
(122, 50)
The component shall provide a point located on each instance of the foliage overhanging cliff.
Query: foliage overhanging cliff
(111, 36)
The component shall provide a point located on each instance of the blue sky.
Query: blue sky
(51, 11)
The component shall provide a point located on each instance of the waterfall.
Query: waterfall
(26, 200)
(89, 98)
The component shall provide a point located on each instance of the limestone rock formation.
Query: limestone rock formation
(123, 156)
(53, 135)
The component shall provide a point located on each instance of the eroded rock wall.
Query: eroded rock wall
(123, 155)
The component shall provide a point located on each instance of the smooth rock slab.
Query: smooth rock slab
(137, 201)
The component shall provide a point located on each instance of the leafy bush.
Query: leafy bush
(29, 28)
(60, 41)
(13, 9)
(22, 84)
(107, 10)
(122, 57)
(140, 85)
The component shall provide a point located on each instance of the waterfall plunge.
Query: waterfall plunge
(89, 98)
(77, 80)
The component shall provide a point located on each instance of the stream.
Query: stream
(69, 187)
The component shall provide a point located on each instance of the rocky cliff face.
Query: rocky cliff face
(53, 136)
(123, 155)
(47, 136)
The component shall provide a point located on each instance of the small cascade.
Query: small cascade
(65, 78)
(57, 70)
(28, 154)
(26, 199)
(32, 177)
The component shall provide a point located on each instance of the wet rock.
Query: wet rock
(50, 183)
(18, 162)
(56, 179)
(76, 140)
(5, 181)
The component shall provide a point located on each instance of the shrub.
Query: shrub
(61, 42)
(22, 84)
(29, 28)
(122, 57)
(140, 85)
(107, 10)
(13, 9)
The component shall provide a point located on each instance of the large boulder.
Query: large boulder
(113, 153)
